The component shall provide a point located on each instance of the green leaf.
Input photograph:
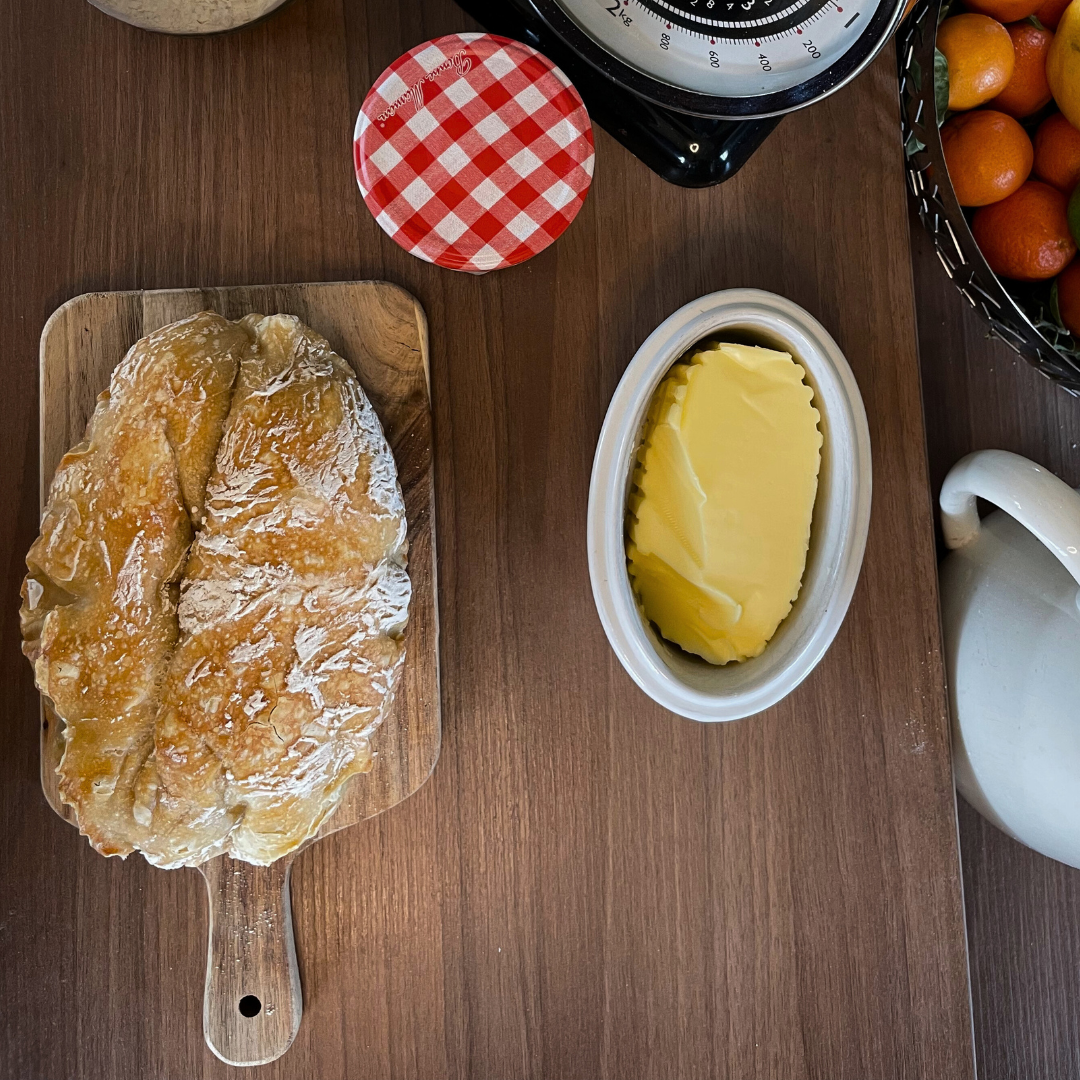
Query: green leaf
(913, 145)
(1035, 22)
(1054, 309)
(941, 85)
(1072, 212)
(1054, 331)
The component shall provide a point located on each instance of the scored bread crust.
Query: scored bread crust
(257, 694)
(99, 600)
(294, 601)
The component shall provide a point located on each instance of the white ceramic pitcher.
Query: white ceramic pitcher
(1011, 612)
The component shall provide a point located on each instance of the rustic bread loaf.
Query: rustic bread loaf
(216, 603)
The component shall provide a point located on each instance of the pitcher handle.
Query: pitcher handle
(1042, 503)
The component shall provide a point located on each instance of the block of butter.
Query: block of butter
(718, 521)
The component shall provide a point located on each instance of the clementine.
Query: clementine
(981, 58)
(1026, 236)
(1068, 297)
(1003, 10)
(988, 155)
(1027, 91)
(1057, 153)
(1051, 11)
(1063, 64)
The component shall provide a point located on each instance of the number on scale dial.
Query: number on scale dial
(725, 48)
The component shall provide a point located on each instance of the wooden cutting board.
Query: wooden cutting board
(253, 1003)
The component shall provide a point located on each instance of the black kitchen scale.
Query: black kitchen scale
(693, 87)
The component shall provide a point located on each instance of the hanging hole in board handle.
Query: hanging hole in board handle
(253, 1002)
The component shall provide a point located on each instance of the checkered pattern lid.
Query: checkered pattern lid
(473, 151)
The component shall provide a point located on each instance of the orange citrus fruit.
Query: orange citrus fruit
(1003, 10)
(1063, 64)
(1068, 297)
(1051, 11)
(1026, 236)
(1057, 153)
(981, 58)
(1027, 91)
(988, 155)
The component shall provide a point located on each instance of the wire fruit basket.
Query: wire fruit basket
(1019, 314)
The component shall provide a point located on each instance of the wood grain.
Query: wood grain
(253, 1003)
(1023, 910)
(587, 887)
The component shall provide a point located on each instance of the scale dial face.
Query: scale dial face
(742, 57)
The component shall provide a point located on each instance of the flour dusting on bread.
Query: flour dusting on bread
(256, 595)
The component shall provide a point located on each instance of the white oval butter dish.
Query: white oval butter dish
(680, 682)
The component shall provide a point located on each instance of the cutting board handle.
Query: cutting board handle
(252, 1005)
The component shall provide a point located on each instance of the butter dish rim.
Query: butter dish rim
(685, 685)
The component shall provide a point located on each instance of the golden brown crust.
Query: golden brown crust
(234, 722)
(99, 600)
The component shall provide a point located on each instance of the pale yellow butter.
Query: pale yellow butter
(718, 522)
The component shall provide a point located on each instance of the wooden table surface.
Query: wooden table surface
(588, 886)
(1023, 910)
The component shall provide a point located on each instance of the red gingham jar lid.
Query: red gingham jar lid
(473, 151)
